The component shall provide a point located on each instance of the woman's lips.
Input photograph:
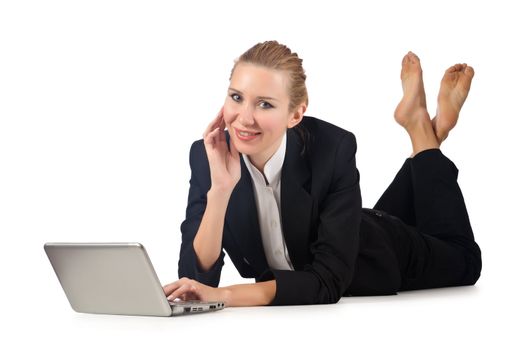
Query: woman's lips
(246, 135)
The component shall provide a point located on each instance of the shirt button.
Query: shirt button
(274, 224)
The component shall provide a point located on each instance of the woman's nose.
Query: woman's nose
(245, 117)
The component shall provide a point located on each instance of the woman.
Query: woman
(279, 192)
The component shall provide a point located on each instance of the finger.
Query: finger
(210, 127)
(221, 112)
(222, 127)
(213, 139)
(233, 150)
(217, 135)
(180, 292)
(210, 134)
(169, 288)
(177, 293)
(189, 296)
(215, 122)
(221, 124)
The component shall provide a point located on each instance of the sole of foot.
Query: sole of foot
(412, 108)
(454, 90)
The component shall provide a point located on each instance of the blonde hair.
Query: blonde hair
(271, 54)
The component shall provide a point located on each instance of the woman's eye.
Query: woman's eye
(236, 97)
(265, 105)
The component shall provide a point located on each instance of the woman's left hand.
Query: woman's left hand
(188, 289)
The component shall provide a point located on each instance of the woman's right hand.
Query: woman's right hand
(224, 162)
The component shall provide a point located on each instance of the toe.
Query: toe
(410, 57)
(414, 57)
(459, 67)
(451, 69)
(469, 71)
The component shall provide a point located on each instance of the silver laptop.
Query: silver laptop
(115, 278)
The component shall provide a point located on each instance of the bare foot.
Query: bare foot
(411, 112)
(412, 108)
(454, 90)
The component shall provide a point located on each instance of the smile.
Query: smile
(246, 135)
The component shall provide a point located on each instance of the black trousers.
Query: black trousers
(428, 224)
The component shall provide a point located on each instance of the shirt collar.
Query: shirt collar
(272, 168)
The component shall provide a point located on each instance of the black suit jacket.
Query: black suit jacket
(321, 219)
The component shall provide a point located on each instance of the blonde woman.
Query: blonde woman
(279, 192)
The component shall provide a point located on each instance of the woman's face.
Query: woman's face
(256, 111)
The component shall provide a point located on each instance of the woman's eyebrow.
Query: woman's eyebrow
(258, 97)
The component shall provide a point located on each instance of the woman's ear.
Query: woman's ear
(297, 116)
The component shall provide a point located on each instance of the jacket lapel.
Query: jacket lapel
(296, 202)
(242, 221)
(296, 210)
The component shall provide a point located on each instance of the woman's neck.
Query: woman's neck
(259, 160)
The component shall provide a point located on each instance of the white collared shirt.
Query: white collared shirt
(268, 202)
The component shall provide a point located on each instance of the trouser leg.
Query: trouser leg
(398, 198)
(438, 201)
(439, 249)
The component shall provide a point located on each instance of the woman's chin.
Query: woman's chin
(244, 149)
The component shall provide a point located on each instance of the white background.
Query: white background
(101, 100)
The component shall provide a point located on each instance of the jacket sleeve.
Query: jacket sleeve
(336, 247)
(200, 184)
